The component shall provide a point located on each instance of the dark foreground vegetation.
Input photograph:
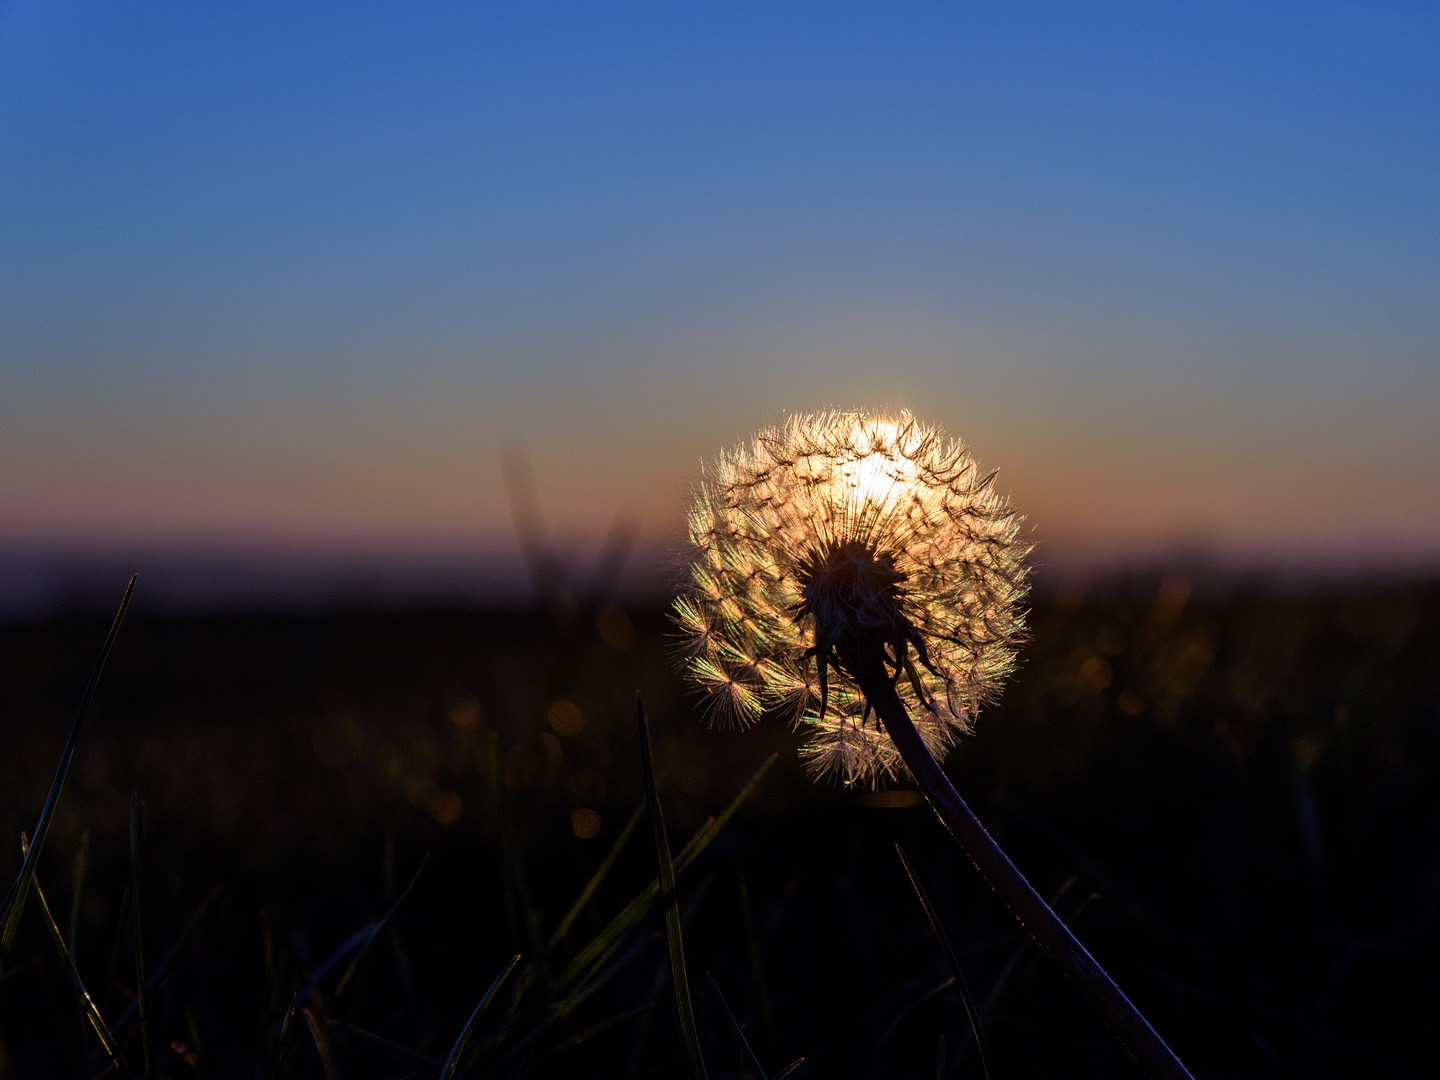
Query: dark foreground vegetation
(1234, 799)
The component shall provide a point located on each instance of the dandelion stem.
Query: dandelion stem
(1132, 1029)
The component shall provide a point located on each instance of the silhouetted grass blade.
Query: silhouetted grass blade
(282, 1042)
(636, 910)
(171, 957)
(350, 945)
(453, 1061)
(601, 972)
(752, 949)
(322, 1044)
(914, 1003)
(141, 992)
(394, 1048)
(735, 1027)
(974, 1013)
(595, 879)
(77, 888)
(524, 918)
(379, 926)
(668, 901)
(92, 1014)
(15, 899)
(790, 1069)
(601, 1026)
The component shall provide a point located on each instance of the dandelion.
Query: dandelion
(841, 545)
(860, 575)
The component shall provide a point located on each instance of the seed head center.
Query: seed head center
(853, 594)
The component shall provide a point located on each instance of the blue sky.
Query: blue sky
(292, 274)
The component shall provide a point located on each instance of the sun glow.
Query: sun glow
(881, 478)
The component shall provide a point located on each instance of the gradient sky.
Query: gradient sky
(295, 274)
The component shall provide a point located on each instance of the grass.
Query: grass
(14, 903)
(1231, 801)
(670, 906)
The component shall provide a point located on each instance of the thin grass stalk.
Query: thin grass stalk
(587, 893)
(141, 993)
(282, 1042)
(322, 1044)
(752, 949)
(375, 933)
(600, 973)
(602, 1026)
(684, 1008)
(77, 888)
(970, 1010)
(636, 910)
(87, 1003)
(736, 1028)
(900, 1017)
(162, 971)
(524, 919)
(15, 900)
(395, 1049)
(1123, 1019)
(452, 1063)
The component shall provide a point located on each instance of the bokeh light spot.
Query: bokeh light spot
(445, 807)
(566, 718)
(585, 822)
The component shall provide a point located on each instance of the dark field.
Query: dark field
(1236, 798)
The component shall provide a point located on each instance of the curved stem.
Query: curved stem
(1133, 1031)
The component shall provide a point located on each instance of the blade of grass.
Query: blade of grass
(322, 1044)
(360, 954)
(684, 1008)
(196, 1051)
(970, 1010)
(595, 879)
(735, 1027)
(524, 919)
(602, 1026)
(752, 949)
(339, 953)
(515, 872)
(15, 899)
(393, 1048)
(77, 888)
(790, 1069)
(141, 993)
(162, 970)
(112, 980)
(282, 1042)
(453, 1061)
(92, 1014)
(267, 955)
(604, 968)
(600, 973)
(934, 992)
(638, 908)
(603, 971)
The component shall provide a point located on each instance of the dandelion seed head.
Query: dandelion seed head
(842, 527)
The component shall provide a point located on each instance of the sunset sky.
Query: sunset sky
(292, 277)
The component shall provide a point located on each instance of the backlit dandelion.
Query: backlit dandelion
(837, 541)
(849, 567)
